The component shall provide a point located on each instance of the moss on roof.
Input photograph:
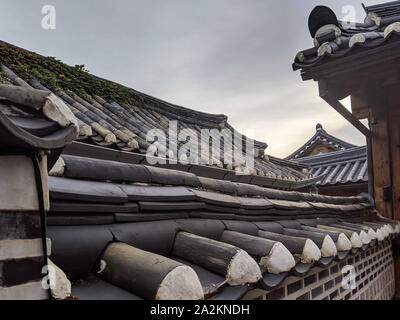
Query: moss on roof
(54, 73)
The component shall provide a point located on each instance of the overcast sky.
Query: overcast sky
(219, 56)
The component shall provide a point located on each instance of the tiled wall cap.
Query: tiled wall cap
(58, 168)
(279, 259)
(326, 29)
(394, 27)
(365, 238)
(343, 243)
(357, 38)
(372, 16)
(311, 252)
(243, 269)
(328, 248)
(322, 50)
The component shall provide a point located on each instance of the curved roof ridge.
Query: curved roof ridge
(320, 135)
(341, 155)
(217, 118)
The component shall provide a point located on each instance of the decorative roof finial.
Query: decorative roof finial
(318, 127)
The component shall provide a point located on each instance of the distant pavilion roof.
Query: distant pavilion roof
(339, 167)
(320, 137)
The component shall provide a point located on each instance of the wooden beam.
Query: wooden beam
(370, 159)
(334, 103)
(359, 105)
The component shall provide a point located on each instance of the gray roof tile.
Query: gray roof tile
(334, 39)
(339, 167)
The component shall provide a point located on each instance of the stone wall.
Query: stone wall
(374, 280)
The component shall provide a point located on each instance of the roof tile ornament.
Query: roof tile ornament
(334, 39)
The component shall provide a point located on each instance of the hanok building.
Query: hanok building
(342, 166)
(80, 196)
(361, 60)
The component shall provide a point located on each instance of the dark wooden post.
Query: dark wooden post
(378, 102)
(394, 135)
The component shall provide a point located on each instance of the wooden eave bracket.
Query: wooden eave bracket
(331, 99)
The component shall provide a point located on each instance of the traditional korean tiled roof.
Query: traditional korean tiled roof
(116, 117)
(388, 9)
(321, 137)
(112, 224)
(335, 40)
(339, 167)
(122, 230)
(348, 164)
